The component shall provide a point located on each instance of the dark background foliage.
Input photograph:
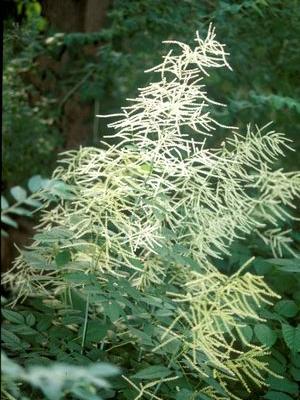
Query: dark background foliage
(65, 61)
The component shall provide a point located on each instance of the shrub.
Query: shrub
(138, 234)
(29, 131)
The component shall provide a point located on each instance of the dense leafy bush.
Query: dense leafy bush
(129, 254)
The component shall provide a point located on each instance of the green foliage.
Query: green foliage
(280, 331)
(55, 381)
(23, 200)
(30, 139)
(265, 86)
(125, 263)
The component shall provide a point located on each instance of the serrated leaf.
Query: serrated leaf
(4, 203)
(265, 335)
(18, 193)
(8, 221)
(153, 372)
(287, 308)
(291, 337)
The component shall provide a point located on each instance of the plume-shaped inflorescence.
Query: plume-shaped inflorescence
(157, 209)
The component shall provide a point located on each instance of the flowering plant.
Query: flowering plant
(143, 221)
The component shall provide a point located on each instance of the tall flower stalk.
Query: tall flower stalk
(157, 209)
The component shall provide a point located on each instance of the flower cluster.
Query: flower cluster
(160, 205)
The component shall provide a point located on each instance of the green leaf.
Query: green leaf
(272, 395)
(203, 397)
(262, 266)
(295, 372)
(287, 308)
(22, 329)
(9, 337)
(35, 183)
(8, 221)
(53, 235)
(13, 316)
(113, 310)
(60, 189)
(18, 193)
(247, 332)
(96, 331)
(276, 366)
(265, 335)
(4, 203)
(30, 319)
(153, 372)
(279, 357)
(20, 211)
(36, 260)
(295, 358)
(44, 323)
(291, 337)
(62, 258)
(33, 202)
(282, 385)
(78, 277)
(186, 394)
(287, 265)
(141, 336)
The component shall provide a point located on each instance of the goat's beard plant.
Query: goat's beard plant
(148, 216)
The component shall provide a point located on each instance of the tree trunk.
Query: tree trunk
(75, 15)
